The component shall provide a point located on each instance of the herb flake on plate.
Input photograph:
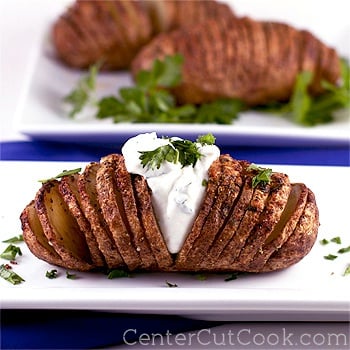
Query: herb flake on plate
(9, 275)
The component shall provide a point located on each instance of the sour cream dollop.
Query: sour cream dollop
(177, 191)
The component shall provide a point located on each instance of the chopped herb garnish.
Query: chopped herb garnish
(233, 276)
(117, 273)
(184, 151)
(347, 271)
(207, 139)
(336, 240)
(149, 100)
(201, 277)
(262, 177)
(51, 274)
(308, 110)
(344, 250)
(16, 239)
(71, 276)
(82, 94)
(62, 174)
(11, 252)
(330, 257)
(7, 274)
(171, 285)
(324, 241)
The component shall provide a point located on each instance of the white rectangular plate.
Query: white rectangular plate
(41, 115)
(313, 289)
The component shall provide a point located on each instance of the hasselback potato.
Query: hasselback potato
(254, 61)
(113, 31)
(105, 217)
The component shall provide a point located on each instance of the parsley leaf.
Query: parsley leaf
(347, 271)
(336, 240)
(81, 95)
(233, 276)
(117, 273)
(208, 139)
(62, 174)
(324, 241)
(344, 250)
(154, 159)
(150, 100)
(51, 274)
(184, 151)
(7, 274)
(262, 177)
(15, 239)
(307, 110)
(10, 252)
(330, 257)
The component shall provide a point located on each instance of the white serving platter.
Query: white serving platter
(40, 113)
(312, 290)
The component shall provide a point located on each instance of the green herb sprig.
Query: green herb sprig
(51, 274)
(337, 240)
(307, 110)
(15, 239)
(11, 252)
(62, 174)
(262, 177)
(9, 275)
(347, 271)
(185, 152)
(150, 100)
(79, 97)
(117, 273)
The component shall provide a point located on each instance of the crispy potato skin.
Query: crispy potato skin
(239, 227)
(113, 31)
(254, 61)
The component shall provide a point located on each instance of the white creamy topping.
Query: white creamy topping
(177, 191)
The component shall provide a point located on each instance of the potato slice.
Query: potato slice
(130, 214)
(68, 188)
(284, 227)
(300, 241)
(152, 232)
(111, 203)
(244, 217)
(219, 198)
(92, 211)
(61, 229)
(280, 188)
(35, 238)
(209, 198)
(226, 195)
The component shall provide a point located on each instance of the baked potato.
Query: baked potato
(113, 31)
(254, 61)
(104, 218)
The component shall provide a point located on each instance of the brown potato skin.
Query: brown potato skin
(254, 61)
(68, 188)
(35, 238)
(238, 228)
(113, 31)
(300, 242)
(61, 229)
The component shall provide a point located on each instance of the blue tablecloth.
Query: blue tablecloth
(52, 151)
(53, 329)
